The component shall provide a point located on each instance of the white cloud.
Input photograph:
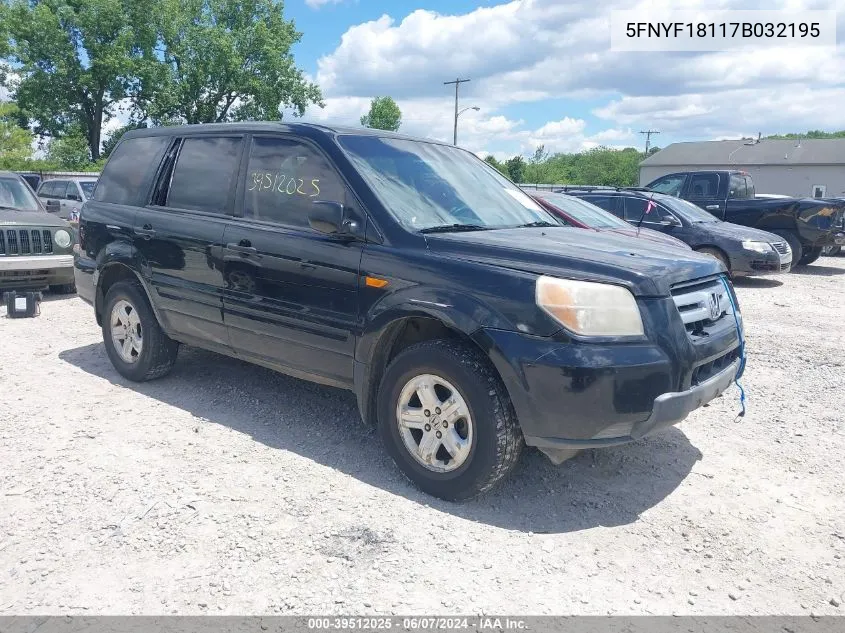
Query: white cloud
(530, 50)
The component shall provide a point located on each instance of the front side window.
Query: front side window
(87, 187)
(426, 185)
(284, 177)
(204, 174)
(670, 185)
(126, 169)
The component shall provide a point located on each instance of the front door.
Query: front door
(291, 297)
(180, 234)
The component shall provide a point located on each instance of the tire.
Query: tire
(794, 244)
(831, 251)
(63, 289)
(718, 254)
(810, 255)
(157, 351)
(489, 431)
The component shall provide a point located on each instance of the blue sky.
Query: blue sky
(543, 73)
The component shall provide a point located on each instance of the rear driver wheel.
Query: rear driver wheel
(137, 346)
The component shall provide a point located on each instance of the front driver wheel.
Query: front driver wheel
(446, 420)
(137, 346)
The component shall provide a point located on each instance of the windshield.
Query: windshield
(87, 187)
(14, 194)
(426, 185)
(583, 211)
(687, 210)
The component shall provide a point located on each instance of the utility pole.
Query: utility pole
(648, 134)
(457, 83)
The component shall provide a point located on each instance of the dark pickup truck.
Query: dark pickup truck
(807, 224)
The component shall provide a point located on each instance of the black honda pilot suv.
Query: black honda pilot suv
(467, 320)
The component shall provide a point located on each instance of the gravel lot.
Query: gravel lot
(228, 489)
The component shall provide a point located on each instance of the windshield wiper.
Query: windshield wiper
(449, 228)
(5, 207)
(537, 223)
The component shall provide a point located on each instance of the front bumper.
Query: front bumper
(575, 394)
(669, 409)
(35, 271)
(749, 263)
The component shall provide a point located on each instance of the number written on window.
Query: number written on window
(281, 183)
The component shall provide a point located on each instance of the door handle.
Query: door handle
(146, 231)
(244, 247)
(712, 207)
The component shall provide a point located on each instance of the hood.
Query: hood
(30, 218)
(728, 230)
(653, 236)
(646, 267)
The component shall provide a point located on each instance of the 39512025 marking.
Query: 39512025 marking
(723, 29)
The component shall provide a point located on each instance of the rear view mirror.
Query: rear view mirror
(329, 217)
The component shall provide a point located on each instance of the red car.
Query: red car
(582, 214)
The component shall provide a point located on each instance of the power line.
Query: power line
(457, 83)
(648, 134)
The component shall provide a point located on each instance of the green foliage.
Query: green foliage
(515, 168)
(597, 166)
(384, 114)
(224, 60)
(810, 134)
(76, 59)
(70, 152)
(111, 142)
(15, 141)
(491, 160)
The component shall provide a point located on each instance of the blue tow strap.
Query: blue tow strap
(742, 356)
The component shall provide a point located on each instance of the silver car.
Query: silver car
(65, 196)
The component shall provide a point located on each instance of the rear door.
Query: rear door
(179, 234)
(291, 296)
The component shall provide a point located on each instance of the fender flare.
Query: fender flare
(119, 255)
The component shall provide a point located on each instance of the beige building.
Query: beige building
(801, 168)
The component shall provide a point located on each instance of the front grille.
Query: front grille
(706, 371)
(26, 242)
(702, 305)
(781, 247)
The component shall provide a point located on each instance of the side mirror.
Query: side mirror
(671, 221)
(329, 217)
(75, 197)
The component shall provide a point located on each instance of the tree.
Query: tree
(515, 168)
(224, 60)
(111, 142)
(71, 151)
(491, 160)
(384, 114)
(15, 141)
(75, 59)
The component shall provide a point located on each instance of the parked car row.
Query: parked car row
(470, 317)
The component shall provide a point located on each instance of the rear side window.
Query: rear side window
(127, 169)
(704, 186)
(204, 174)
(283, 179)
(738, 190)
(608, 203)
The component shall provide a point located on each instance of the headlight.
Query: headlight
(589, 308)
(760, 247)
(62, 238)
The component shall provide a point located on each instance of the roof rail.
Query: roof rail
(566, 188)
